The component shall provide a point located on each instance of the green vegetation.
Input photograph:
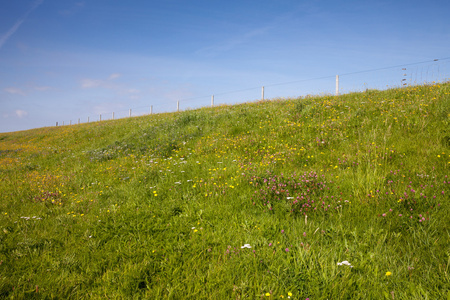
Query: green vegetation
(254, 201)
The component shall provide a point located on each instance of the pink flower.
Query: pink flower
(304, 233)
(287, 249)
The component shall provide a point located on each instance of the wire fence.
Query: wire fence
(419, 73)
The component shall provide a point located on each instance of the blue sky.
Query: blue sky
(65, 60)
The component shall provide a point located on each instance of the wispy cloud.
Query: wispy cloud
(118, 88)
(114, 76)
(4, 38)
(87, 83)
(72, 10)
(92, 83)
(14, 91)
(21, 113)
(232, 43)
(42, 88)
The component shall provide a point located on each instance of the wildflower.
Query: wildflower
(246, 246)
(289, 295)
(267, 294)
(345, 263)
(388, 273)
(287, 249)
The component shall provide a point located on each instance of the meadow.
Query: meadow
(331, 197)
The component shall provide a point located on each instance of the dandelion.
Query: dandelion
(267, 294)
(388, 273)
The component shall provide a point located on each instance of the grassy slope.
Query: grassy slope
(159, 206)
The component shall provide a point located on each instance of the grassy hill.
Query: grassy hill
(323, 198)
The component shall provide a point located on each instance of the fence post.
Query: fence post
(56, 124)
(78, 121)
(70, 122)
(113, 115)
(262, 94)
(151, 109)
(212, 101)
(178, 106)
(337, 85)
(129, 113)
(63, 123)
(88, 119)
(100, 117)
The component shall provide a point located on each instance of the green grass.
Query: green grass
(159, 206)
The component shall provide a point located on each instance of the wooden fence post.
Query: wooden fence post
(337, 85)
(212, 101)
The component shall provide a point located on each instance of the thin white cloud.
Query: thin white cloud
(114, 76)
(4, 38)
(14, 91)
(72, 10)
(232, 43)
(21, 113)
(88, 83)
(91, 83)
(42, 88)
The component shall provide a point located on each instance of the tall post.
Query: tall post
(337, 85)
(212, 101)
(129, 113)
(56, 124)
(113, 115)
(88, 119)
(78, 121)
(262, 94)
(70, 122)
(178, 106)
(100, 117)
(151, 109)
